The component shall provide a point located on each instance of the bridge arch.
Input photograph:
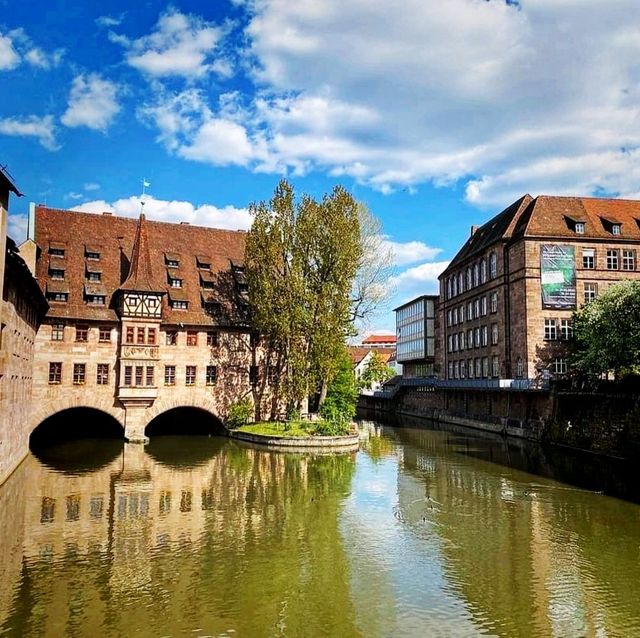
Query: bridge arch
(196, 415)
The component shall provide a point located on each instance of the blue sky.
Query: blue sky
(435, 114)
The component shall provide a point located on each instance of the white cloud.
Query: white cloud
(42, 128)
(91, 186)
(73, 195)
(9, 58)
(92, 102)
(228, 217)
(419, 280)
(38, 58)
(180, 45)
(405, 253)
(109, 21)
(17, 228)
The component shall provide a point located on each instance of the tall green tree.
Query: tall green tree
(302, 258)
(376, 371)
(607, 332)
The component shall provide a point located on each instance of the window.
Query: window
(94, 276)
(104, 334)
(55, 373)
(550, 330)
(82, 333)
(79, 373)
(455, 316)
(460, 283)
(469, 279)
(589, 258)
(478, 364)
(470, 338)
(476, 308)
(519, 368)
(483, 306)
(476, 340)
(455, 342)
(628, 260)
(128, 375)
(192, 338)
(73, 507)
(450, 343)
(129, 335)
(590, 291)
(615, 229)
(463, 369)
(449, 317)
(139, 375)
(57, 273)
(172, 263)
(470, 310)
(612, 260)
(559, 366)
(58, 296)
(456, 370)
(450, 368)
(150, 376)
(56, 252)
(454, 285)
(470, 368)
(494, 302)
(165, 502)
(485, 367)
(483, 271)
(151, 336)
(140, 335)
(175, 283)
(171, 337)
(253, 375)
(57, 332)
(190, 378)
(493, 266)
(494, 334)
(92, 254)
(495, 367)
(212, 375)
(102, 377)
(462, 318)
(462, 341)
(476, 274)
(186, 499)
(47, 509)
(566, 329)
(169, 375)
(485, 336)
(448, 288)
(579, 228)
(179, 305)
(212, 339)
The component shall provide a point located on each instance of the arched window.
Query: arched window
(469, 280)
(460, 283)
(448, 288)
(454, 285)
(483, 271)
(476, 273)
(493, 266)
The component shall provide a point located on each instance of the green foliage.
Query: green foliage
(376, 371)
(240, 413)
(301, 259)
(332, 428)
(607, 331)
(342, 395)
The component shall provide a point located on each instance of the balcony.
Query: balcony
(140, 394)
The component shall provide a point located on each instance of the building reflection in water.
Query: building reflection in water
(176, 538)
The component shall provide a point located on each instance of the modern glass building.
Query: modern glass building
(415, 330)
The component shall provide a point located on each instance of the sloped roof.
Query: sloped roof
(388, 338)
(116, 236)
(140, 277)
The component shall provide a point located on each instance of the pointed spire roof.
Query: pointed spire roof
(140, 277)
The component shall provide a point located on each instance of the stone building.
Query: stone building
(22, 306)
(507, 297)
(144, 317)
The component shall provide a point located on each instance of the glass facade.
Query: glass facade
(415, 329)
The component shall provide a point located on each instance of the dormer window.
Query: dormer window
(175, 283)
(179, 305)
(579, 228)
(612, 225)
(56, 252)
(172, 263)
(96, 300)
(92, 252)
(203, 262)
(172, 260)
(615, 229)
(94, 276)
(57, 273)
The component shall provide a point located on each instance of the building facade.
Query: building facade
(144, 317)
(416, 345)
(508, 296)
(22, 306)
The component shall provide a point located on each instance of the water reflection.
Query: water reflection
(420, 534)
(156, 544)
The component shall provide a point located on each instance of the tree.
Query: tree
(301, 260)
(607, 331)
(376, 371)
(342, 393)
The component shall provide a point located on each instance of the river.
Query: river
(423, 532)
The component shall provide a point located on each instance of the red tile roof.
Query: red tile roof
(113, 237)
(380, 339)
(140, 276)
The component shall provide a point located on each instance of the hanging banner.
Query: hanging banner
(558, 277)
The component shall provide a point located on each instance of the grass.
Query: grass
(276, 428)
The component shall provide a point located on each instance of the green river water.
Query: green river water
(421, 533)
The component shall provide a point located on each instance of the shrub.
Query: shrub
(332, 428)
(240, 413)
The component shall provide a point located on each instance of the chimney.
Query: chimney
(474, 228)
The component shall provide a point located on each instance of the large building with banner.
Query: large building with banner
(508, 296)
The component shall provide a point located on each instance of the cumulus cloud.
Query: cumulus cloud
(92, 102)
(405, 253)
(40, 127)
(180, 45)
(17, 228)
(228, 217)
(418, 280)
(109, 21)
(91, 186)
(16, 46)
